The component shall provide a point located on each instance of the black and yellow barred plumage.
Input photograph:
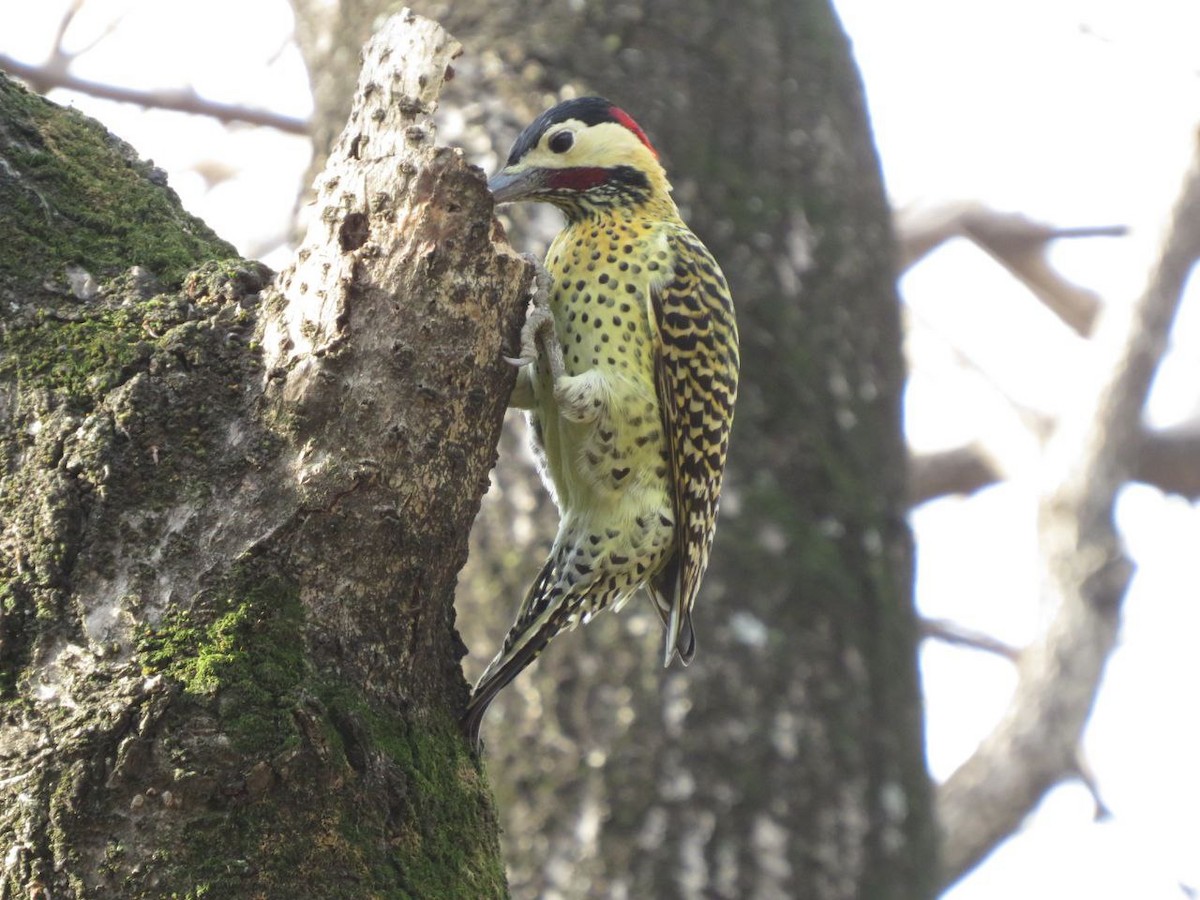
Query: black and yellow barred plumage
(630, 378)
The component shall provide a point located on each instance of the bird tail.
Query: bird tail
(541, 617)
(676, 618)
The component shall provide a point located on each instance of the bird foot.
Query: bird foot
(537, 322)
(538, 337)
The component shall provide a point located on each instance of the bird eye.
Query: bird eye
(562, 142)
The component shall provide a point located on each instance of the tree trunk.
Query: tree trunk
(233, 515)
(787, 761)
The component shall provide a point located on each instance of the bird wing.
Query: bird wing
(696, 370)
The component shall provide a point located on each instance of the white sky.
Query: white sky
(1073, 112)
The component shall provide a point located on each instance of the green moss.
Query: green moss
(73, 194)
(248, 659)
(394, 812)
(365, 802)
(83, 356)
(445, 796)
(83, 351)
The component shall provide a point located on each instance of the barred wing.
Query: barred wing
(696, 373)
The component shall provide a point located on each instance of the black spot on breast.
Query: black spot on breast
(618, 474)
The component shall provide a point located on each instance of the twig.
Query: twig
(960, 636)
(185, 100)
(1168, 460)
(1016, 242)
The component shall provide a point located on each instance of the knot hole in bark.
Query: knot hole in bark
(354, 231)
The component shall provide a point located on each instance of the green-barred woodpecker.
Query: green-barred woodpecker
(629, 374)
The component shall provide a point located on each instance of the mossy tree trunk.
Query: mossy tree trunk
(233, 511)
(788, 760)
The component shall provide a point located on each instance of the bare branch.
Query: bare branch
(960, 636)
(1092, 455)
(60, 33)
(1168, 460)
(186, 101)
(1083, 771)
(962, 470)
(1016, 242)
(59, 59)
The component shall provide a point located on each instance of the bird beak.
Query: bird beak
(507, 185)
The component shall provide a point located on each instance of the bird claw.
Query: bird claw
(539, 340)
(542, 280)
(537, 323)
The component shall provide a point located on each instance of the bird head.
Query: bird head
(582, 155)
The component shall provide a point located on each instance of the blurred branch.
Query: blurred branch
(1168, 460)
(960, 636)
(1016, 242)
(961, 470)
(1093, 453)
(183, 100)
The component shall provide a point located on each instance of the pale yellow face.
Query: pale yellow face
(574, 144)
(580, 167)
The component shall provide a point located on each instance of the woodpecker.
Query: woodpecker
(628, 373)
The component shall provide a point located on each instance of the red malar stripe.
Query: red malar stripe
(581, 178)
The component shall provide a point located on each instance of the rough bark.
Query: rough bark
(233, 515)
(787, 761)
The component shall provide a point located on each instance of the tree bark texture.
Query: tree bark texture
(233, 515)
(787, 761)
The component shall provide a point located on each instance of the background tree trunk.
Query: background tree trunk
(233, 515)
(787, 762)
